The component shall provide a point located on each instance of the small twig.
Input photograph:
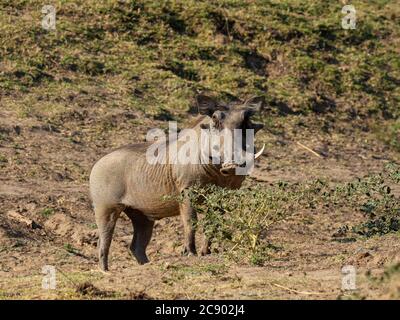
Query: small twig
(233, 248)
(298, 292)
(308, 149)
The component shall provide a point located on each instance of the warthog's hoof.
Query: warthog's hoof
(140, 257)
(188, 252)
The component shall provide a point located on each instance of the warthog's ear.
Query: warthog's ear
(255, 103)
(207, 105)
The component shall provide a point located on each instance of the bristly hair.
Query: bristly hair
(195, 121)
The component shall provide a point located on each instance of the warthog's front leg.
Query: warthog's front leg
(189, 219)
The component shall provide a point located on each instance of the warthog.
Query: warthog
(126, 181)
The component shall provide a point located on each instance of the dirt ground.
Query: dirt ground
(46, 219)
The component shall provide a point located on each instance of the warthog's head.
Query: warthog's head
(231, 131)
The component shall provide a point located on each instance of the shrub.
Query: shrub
(237, 221)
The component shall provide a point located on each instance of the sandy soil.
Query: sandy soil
(46, 219)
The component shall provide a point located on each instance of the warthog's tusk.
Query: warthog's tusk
(259, 153)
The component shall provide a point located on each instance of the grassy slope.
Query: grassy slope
(155, 55)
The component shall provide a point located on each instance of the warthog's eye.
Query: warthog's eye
(218, 115)
(217, 118)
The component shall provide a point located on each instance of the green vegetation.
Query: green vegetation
(373, 196)
(389, 279)
(238, 221)
(47, 212)
(71, 249)
(150, 55)
(211, 269)
(389, 133)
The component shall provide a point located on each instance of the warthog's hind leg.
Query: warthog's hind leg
(142, 231)
(106, 219)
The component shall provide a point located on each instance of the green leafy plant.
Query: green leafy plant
(47, 212)
(373, 196)
(238, 221)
